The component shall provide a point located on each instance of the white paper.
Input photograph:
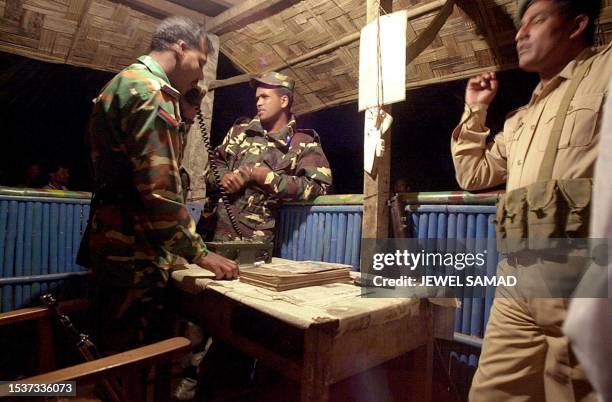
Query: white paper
(377, 122)
(371, 136)
(393, 61)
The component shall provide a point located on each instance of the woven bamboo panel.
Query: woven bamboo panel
(94, 33)
(301, 28)
(111, 36)
(478, 36)
(108, 35)
(39, 29)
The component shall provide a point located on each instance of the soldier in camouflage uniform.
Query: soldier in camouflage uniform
(268, 160)
(139, 226)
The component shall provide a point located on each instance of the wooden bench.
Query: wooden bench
(131, 367)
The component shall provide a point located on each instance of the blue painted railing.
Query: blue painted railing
(320, 232)
(39, 239)
(467, 223)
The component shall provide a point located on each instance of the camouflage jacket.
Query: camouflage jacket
(140, 225)
(300, 172)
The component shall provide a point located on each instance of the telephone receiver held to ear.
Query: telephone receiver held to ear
(194, 96)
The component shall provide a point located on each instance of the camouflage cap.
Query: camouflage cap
(274, 79)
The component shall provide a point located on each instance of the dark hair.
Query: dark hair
(282, 91)
(574, 8)
(177, 28)
(53, 166)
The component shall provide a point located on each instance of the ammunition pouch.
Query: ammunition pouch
(553, 209)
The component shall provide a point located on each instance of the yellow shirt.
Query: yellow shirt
(516, 153)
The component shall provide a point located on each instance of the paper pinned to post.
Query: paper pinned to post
(392, 60)
(377, 122)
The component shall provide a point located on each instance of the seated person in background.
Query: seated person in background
(401, 186)
(59, 175)
(32, 176)
(266, 160)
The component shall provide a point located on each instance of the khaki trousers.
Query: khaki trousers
(526, 358)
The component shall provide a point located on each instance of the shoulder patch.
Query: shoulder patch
(168, 118)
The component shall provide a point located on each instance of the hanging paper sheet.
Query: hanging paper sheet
(382, 63)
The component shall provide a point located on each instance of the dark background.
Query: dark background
(44, 109)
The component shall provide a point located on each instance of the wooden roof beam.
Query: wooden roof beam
(166, 8)
(244, 13)
(228, 3)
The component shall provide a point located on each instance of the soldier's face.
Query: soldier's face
(543, 36)
(189, 66)
(270, 105)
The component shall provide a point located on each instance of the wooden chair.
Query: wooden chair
(129, 370)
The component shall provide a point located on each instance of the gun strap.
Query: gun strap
(550, 155)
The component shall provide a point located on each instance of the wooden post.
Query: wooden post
(376, 186)
(195, 158)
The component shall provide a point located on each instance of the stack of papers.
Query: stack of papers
(295, 274)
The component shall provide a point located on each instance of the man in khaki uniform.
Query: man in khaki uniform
(525, 356)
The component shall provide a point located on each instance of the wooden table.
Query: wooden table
(316, 336)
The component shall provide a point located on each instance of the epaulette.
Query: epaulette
(167, 89)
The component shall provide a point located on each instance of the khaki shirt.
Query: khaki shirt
(516, 153)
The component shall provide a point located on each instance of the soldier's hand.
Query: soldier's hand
(222, 267)
(481, 89)
(255, 173)
(233, 182)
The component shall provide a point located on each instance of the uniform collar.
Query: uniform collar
(570, 70)
(282, 137)
(567, 73)
(159, 72)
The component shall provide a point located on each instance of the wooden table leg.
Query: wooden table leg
(316, 366)
(423, 377)
(422, 372)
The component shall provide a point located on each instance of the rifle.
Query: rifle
(86, 348)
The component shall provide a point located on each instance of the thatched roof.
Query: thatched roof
(319, 38)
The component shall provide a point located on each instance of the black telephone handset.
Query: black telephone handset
(194, 96)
